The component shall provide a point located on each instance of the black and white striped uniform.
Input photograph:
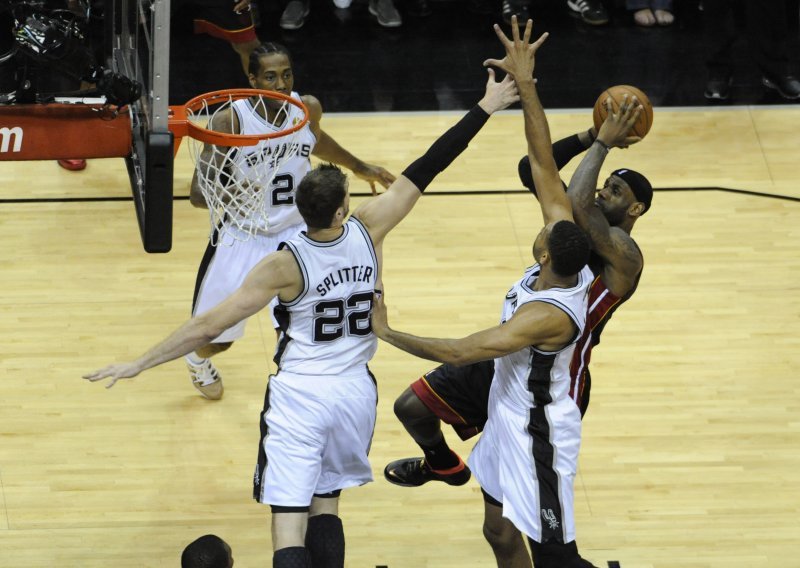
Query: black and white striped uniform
(256, 164)
(225, 266)
(527, 456)
(319, 413)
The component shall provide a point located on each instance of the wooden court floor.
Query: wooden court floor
(690, 450)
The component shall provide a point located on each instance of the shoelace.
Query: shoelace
(199, 371)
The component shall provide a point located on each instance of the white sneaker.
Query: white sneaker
(205, 379)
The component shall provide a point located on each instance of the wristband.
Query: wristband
(603, 144)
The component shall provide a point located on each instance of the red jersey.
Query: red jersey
(602, 304)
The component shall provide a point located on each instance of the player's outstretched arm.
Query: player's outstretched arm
(383, 213)
(276, 272)
(328, 150)
(519, 61)
(535, 323)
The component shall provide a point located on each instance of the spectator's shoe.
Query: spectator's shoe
(206, 379)
(788, 86)
(413, 472)
(718, 88)
(294, 16)
(591, 12)
(387, 14)
(73, 165)
(518, 10)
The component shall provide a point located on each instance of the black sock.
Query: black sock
(553, 554)
(325, 541)
(292, 557)
(440, 456)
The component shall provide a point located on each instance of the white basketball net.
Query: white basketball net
(236, 181)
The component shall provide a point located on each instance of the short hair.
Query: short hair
(266, 48)
(208, 551)
(569, 248)
(320, 194)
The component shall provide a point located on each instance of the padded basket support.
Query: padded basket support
(63, 131)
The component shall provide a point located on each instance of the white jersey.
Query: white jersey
(531, 375)
(281, 184)
(527, 455)
(326, 330)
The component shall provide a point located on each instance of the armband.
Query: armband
(446, 149)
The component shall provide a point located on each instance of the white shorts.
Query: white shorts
(527, 460)
(225, 267)
(316, 434)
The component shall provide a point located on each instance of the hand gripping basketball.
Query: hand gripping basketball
(617, 95)
(618, 125)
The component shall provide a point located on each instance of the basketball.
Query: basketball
(645, 120)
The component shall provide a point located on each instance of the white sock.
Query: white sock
(194, 358)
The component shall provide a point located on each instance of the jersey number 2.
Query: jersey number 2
(337, 317)
(282, 187)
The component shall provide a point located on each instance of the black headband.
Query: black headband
(639, 185)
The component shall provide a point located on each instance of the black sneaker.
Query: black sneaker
(788, 86)
(718, 88)
(591, 12)
(413, 472)
(518, 10)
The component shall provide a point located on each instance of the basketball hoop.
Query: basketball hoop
(233, 170)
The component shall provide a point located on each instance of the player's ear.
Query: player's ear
(252, 79)
(636, 209)
(544, 258)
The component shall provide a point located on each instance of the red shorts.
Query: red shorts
(459, 396)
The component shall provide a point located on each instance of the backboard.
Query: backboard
(107, 48)
(137, 36)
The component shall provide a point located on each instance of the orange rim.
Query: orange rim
(181, 126)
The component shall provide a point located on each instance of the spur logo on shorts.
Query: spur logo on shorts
(7, 135)
(550, 517)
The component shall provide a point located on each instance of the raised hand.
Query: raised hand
(374, 174)
(617, 126)
(499, 95)
(241, 6)
(520, 58)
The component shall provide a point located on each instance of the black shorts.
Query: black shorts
(217, 18)
(459, 396)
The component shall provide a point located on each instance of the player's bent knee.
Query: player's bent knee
(409, 408)
(503, 537)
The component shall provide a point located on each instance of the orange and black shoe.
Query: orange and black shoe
(413, 472)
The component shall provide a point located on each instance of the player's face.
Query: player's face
(614, 199)
(274, 74)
